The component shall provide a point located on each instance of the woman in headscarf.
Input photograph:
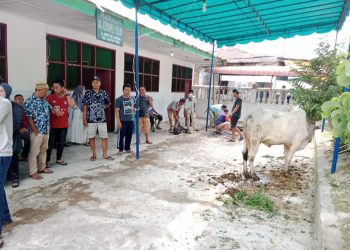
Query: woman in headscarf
(76, 131)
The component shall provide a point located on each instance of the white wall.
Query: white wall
(26, 49)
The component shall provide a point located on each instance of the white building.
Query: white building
(42, 40)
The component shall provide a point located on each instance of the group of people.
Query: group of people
(189, 107)
(225, 121)
(30, 129)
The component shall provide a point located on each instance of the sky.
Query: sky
(299, 47)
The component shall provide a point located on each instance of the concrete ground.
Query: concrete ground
(333, 196)
(169, 199)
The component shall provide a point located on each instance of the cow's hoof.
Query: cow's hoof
(246, 175)
(255, 177)
(287, 174)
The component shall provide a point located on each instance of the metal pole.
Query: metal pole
(209, 90)
(323, 124)
(219, 88)
(337, 140)
(213, 80)
(137, 4)
(335, 155)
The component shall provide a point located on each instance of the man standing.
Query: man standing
(95, 102)
(144, 114)
(19, 99)
(124, 107)
(37, 111)
(6, 131)
(189, 113)
(60, 100)
(235, 115)
(13, 171)
(194, 100)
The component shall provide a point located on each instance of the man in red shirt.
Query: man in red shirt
(60, 100)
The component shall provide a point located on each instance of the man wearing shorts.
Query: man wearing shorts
(173, 111)
(95, 102)
(144, 114)
(235, 115)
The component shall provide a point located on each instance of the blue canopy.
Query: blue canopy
(230, 22)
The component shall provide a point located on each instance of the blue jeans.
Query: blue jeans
(4, 209)
(125, 133)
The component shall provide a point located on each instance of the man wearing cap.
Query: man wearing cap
(6, 131)
(95, 102)
(190, 113)
(38, 110)
(235, 115)
(60, 100)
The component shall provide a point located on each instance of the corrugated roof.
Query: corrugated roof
(230, 22)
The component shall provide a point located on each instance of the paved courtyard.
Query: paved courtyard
(166, 200)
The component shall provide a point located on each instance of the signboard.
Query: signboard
(109, 28)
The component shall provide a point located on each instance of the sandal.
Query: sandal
(7, 222)
(63, 163)
(36, 176)
(241, 138)
(120, 152)
(148, 142)
(47, 164)
(15, 183)
(109, 158)
(46, 171)
(93, 158)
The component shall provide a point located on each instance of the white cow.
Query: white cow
(272, 127)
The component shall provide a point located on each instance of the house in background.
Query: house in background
(42, 40)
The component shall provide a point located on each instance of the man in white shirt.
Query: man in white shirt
(189, 113)
(6, 133)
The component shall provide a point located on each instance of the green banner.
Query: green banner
(109, 28)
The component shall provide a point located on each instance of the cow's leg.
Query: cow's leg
(245, 155)
(288, 155)
(253, 150)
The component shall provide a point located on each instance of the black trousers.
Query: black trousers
(153, 117)
(13, 170)
(26, 145)
(57, 138)
(125, 133)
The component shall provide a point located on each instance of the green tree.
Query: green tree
(316, 82)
